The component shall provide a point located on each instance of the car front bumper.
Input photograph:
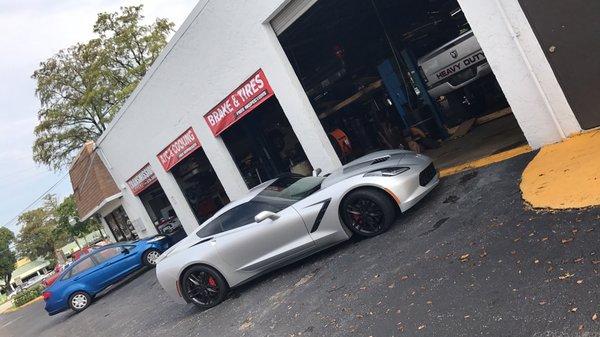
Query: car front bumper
(412, 186)
(167, 275)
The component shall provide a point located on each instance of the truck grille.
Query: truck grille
(427, 175)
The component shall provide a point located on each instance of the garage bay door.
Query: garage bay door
(290, 13)
(569, 33)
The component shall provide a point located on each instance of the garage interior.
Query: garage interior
(200, 185)
(264, 145)
(374, 72)
(161, 212)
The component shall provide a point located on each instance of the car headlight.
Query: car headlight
(158, 238)
(387, 172)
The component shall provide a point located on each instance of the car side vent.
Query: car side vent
(380, 160)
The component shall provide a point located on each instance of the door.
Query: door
(124, 223)
(87, 272)
(114, 228)
(114, 264)
(126, 262)
(252, 246)
(569, 33)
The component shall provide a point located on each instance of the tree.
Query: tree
(69, 226)
(82, 87)
(7, 256)
(50, 227)
(37, 235)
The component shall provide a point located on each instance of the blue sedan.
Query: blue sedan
(81, 281)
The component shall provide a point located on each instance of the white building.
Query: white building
(295, 71)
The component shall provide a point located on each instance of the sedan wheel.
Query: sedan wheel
(79, 301)
(368, 212)
(150, 257)
(204, 286)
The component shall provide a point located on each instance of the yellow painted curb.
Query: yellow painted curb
(13, 309)
(565, 175)
(482, 162)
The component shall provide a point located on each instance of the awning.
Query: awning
(101, 205)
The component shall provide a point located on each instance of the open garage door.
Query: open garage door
(290, 13)
(385, 74)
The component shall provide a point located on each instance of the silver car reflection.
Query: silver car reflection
(289, 218)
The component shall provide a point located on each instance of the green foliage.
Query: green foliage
(7, 256)
(50, 227)
(68, 224)
(36, 237)
(82, 87)
(28, 295)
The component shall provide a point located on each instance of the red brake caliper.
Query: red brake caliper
(212, 282)
(357, 217)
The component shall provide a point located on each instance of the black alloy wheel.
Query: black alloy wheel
(203, 286)
(368, 212)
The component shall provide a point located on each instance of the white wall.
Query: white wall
(107, 231)
(522, 70)
(223, 42)
(540, 65)
(220, 45)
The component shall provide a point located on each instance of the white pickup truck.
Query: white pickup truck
(453, 65)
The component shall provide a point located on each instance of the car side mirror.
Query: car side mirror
(316, 172)
(264, 215)
(125, 251)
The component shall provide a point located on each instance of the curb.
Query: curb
(485, 161)
(13, 309)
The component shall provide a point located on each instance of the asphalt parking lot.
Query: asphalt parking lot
(470, 260)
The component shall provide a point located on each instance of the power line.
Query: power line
(37, 199)
(83, 180)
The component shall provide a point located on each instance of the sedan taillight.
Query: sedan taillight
(46, 295)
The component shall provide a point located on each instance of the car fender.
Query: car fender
(206, 253)
(75, 287)
(170, 269)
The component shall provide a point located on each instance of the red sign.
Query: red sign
(141, 180)
(247, 97)
(180, 148)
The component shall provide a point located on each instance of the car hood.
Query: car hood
(372, 162)
(180, 246)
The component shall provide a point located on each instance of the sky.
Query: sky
(33, 31)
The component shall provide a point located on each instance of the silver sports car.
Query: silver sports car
(289, 218)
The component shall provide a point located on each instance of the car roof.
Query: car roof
(92, 252)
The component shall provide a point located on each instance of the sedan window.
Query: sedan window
(107, 254)
(82, 266)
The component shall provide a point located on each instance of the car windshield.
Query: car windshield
(292, 187)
